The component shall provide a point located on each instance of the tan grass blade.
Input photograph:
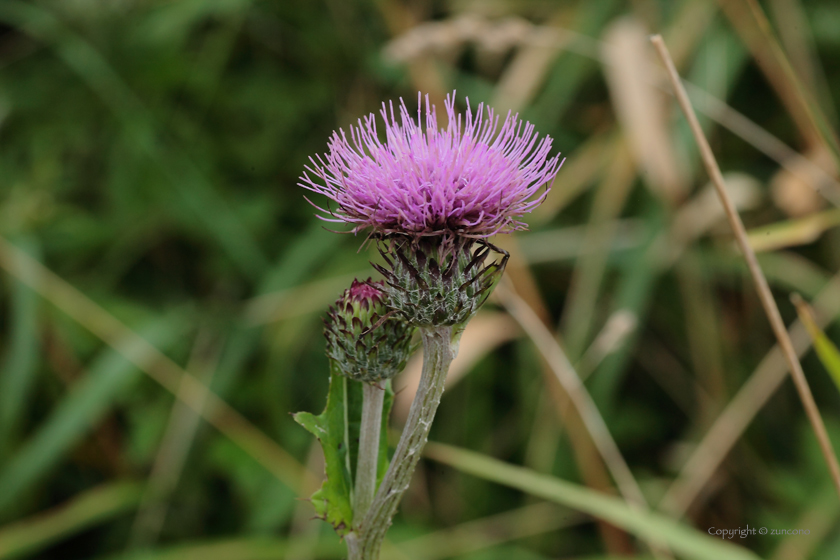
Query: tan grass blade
(642, 109)
(577, 174)
(590, 465)
(306, 298)
(586, 408)
(791, 233)
(789, 159)
(813, 113)
(703, 211)
(415, 44)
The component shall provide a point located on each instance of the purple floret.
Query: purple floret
(471, 179)
(365, 293)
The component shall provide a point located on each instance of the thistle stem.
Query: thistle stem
(373, 399)
(438, 352)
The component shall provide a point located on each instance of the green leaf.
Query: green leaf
(685, 541)
(333, 500)
(337, 428)
(827, 352)
(829, 355)
(20, 365)
(384, 459)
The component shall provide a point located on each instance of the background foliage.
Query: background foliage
(149, 154)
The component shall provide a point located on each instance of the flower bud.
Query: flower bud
(436, 281)
(364, 338)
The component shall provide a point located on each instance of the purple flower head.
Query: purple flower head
(472, 179)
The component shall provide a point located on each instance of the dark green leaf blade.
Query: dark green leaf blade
(384, 459)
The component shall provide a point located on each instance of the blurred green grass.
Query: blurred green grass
(149, 155)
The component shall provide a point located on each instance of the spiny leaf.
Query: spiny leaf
(333, 500)
(337, 429)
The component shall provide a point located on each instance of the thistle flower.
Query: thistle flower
(364, 341)
(431, 197)
(471, 179)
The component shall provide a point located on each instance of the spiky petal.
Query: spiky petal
(471, 179)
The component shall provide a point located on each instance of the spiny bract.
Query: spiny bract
(363, 339)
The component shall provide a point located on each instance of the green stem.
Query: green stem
(438, 352)
(354, 551)
(373, 399)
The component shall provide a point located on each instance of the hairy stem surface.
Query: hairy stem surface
(373, 399)
(438, 352)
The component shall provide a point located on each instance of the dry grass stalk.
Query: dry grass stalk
(762, 287)
(812, 110)
(524, 75)
(792, 161)
(577, 174)
(519, 274)
(311, 297)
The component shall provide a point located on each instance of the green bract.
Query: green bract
(439, 281)
(365, 339)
